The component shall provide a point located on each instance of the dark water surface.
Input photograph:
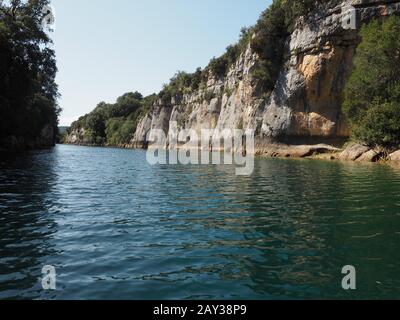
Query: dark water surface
(117, 228)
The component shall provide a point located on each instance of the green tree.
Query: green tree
(28, 92)
(372, 94)
(380, 125)
(96, 123)
(120, 131)
(126, 104)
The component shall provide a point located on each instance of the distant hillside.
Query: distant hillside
(62, 130)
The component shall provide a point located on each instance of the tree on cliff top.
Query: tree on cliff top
(372, 94)
(114, 123)
(28, 91)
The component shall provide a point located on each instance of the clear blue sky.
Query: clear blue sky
(106, 48)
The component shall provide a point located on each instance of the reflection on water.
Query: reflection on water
(26, 222)
(118, 228)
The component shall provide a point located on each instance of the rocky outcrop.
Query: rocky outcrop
(299, 151)
(77, 136)
(371, 156)
(353, 151)
(360, 153)
(395, 156)
(307, 98)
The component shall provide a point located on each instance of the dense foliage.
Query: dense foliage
(372, 94)
(114, 124)
(28, 92)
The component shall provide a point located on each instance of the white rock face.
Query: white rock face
(232, 104)
(76, 136)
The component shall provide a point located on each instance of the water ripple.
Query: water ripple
(117, 228)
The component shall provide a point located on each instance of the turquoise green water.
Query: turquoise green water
(117, 228)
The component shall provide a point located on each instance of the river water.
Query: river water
(115, 227)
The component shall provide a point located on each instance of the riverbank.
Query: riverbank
(350, 152)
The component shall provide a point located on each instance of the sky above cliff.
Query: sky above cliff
(106, 48)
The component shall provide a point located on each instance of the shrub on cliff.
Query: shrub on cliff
(180, 83)
(372, 94)
(219, 67)
(273, 28)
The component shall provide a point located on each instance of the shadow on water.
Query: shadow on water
(26, 222)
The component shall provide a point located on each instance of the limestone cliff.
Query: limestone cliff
(306, 101)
